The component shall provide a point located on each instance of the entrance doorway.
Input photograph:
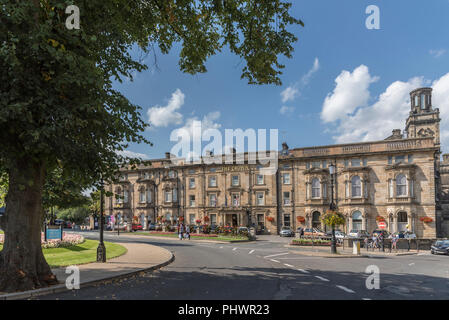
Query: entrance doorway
(402, 221)
(234, 220)
(316, 222)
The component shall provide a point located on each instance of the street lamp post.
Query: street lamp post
(101, 250)
(332, 207)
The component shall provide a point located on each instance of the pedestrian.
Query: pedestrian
(181, 231)
(365, 241)
(188, 232)
(394, 241)
(374, 242)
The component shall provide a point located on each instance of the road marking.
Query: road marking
(277, 254)
(366, 299)
(234, 249)
(251, 251)
(288, 265)
(345, 289)
(411, 264)
(321, 278)
(274, 260)
(303, 271)
(221, 247)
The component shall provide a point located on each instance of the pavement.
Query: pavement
(268, 270)
(139, 257)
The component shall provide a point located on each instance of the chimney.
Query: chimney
(397, 134)
(167, 155)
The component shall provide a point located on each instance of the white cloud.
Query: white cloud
(375, 121)
(286, 110)
(437, 53)
(292, 91)
(164, 116)
(131, 154)
(351, 91)
(289, 94)
(308, 75)
(208, 122)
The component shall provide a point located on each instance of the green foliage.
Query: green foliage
(77, 214)
(333, 218)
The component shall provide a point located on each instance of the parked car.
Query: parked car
(136, 227)
(358, 234)
(313, 232)
(152, 226)
(286, 232)
(403, 235)
(243, 230)
(440, 247)
(385, 233)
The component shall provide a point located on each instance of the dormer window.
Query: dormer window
(423, 101)
(416, 101)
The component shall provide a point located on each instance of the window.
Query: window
(168, 196)
(316, 164)
(171, 174)
(346, 163)
(307, 165)
(213, 219)
(212, 170)
(316, 190)
(235, 180)
(146, 175)
(365, 162)
(213, 200)
(390, 160)
(260, 198)
(286, 178)
(192, 200)
(416, 101)
(423, 101)
(235, 199)
(148, 196)
(357, 220)
(142, 196)
(410, 158)
(192, 171)
(192, 218)
(175, 195)
(192, 183)
(324, 164)
(398, 159)
(212, 181)
(356, 185)
(390, 188)
(123, 177)
(125, 196)
(287, 220)
(355, 162)
(401, 185)
(120, 196)
(286, 166)
(259, 179)
(286, 198)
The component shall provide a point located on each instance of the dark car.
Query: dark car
(440, 247)
(384, 233)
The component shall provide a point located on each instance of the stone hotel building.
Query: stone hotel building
(398, 182)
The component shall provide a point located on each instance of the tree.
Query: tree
(76, 214)
(59, 108)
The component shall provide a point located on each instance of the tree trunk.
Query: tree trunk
(22, 263)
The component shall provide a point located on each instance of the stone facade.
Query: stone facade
(395, 182)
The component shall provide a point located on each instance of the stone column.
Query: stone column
(395, 222)
(145, 222)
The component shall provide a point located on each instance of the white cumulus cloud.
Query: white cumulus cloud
(350, 92)
(289, 94)
(286, 110)
(166, 115)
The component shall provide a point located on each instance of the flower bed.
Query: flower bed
(68, 240)
(308, 242)
(191, 234)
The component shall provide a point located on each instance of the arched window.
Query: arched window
(119, 195)
(356, 186)
(316, 190)
(357, 220)
(401, 185)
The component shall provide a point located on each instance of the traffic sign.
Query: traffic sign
(382, 225)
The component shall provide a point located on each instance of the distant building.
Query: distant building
(398, 182)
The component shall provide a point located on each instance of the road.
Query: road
(267, 270)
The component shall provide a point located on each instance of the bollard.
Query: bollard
(356, 247)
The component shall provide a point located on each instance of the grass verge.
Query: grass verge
(85, 252)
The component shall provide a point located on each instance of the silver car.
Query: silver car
(286, 232)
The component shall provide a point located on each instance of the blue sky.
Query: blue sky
(351, 83)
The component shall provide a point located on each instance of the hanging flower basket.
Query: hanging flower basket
(380, 219)
(181, 218)
(198, 221)
(300, 219)
(206, 218)
(270, 219)
(426, 219)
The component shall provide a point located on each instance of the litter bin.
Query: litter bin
(356, 247)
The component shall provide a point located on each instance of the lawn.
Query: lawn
(79, 254)
(196, 237)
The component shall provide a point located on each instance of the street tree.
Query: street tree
(58, 106)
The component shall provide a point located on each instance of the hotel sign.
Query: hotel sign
(235, 168)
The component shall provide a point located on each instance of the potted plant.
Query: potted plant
(332, 219)
(380, 219)
(270, 219)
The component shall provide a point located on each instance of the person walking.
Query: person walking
(394, 241)
(181, 231)
(188, 232)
